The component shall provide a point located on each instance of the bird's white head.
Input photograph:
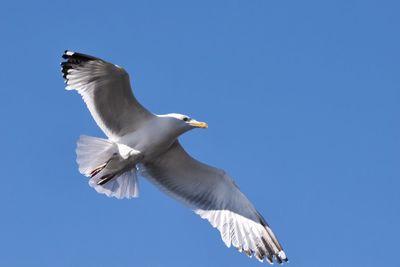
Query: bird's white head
(184, 122)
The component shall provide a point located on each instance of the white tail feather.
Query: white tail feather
(91, 152)
(96, 157)
(122, 186)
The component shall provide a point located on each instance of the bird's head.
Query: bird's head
(184, 122)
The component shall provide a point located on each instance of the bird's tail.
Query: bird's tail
(109, 172)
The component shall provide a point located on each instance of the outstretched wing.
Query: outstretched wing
(212, 194)
(106, 90)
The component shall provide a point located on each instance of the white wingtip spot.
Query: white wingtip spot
(282, 254)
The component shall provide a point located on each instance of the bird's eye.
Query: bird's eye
(186, 119)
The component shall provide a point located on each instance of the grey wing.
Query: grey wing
(212, 194)
(106, 90)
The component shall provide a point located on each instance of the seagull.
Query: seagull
(141, 143)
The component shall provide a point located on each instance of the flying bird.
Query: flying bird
(142, 143)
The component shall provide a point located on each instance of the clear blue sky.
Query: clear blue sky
(302, 99)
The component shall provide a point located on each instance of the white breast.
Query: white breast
(152, 138)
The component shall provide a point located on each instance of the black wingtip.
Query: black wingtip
(67, 54)
(73, 60)
(281, 258)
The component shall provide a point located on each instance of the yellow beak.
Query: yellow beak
(199, 124)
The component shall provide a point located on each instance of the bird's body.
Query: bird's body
(142, 143)
(154, 137)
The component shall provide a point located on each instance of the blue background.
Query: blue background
(302, 99)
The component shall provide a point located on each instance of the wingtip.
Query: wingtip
(67, 54)
(72, 60)
(281, 257)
